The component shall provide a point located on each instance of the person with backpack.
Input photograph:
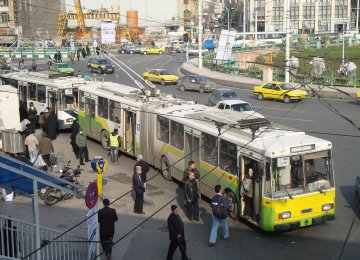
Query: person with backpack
(220, 208)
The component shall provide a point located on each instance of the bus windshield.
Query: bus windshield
(301, 174)
(69, 98)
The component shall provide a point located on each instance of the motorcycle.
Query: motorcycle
(51, 195)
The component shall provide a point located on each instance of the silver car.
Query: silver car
(195, 82)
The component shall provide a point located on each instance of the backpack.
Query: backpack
(220, 211)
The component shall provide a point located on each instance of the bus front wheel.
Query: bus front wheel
(165, 168)
(105, 140)
(233, 204)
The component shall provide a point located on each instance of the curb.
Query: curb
(241, 85)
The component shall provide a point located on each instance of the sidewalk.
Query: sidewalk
(243, 82)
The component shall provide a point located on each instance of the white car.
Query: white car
(238, 105)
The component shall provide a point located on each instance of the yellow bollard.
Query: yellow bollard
(101, 168)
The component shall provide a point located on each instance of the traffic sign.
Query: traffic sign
(91, 195)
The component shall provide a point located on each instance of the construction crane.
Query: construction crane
(80, 18)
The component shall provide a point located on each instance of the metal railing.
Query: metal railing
(17, 240)
(36, 52)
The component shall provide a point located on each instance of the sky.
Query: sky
(153, 10)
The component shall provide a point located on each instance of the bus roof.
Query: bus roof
(111, 88)
(47, 78)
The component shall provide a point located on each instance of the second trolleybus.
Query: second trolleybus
(292, 185)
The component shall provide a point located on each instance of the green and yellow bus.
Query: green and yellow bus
(292, 184)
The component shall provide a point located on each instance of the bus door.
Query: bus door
(251, 191)
(23, 89)
(90, 121)
(51, 100)
(192, 148)
(130, 131)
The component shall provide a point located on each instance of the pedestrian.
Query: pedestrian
(59, 56)
(43, 118)
(81, 142)
(97, 50)
(32, 144)
(75, 127)
(88, 51)
(191, 167)
(144, 168)
(50, 62)
(176, 234)
(79, 74)
(51, 125)
(78, 54)
(72, 56)
(45, 149)
(191, 196)
(220, 208)
(32, 115)
(83, 52)
(39, 134)
(115, 144)
(139, 191)
(107, 217)
(33, 65)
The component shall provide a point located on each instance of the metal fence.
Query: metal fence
(17, 240)
(36, 52)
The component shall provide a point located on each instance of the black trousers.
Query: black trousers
(46, 158)
(75, 148)
(106, 243)
(192, 208)
(139, 201)
(174, 244)
(83, 152)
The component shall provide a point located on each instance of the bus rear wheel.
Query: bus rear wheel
(105, 140)
(233, 204)
(165, 168)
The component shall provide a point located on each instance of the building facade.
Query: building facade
(7, 25)
(306, 16)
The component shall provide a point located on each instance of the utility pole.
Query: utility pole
(287, 47)
(357, 16)
(256, 22)
(200, 7)
(244, 24)
(343, 35)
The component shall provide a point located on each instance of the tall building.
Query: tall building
(36, 19)
(7, 25)
(306, 16)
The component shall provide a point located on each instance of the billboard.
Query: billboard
(226, 41)
(107, 32)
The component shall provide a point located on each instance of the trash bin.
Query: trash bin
(94, 161)
(12, 141)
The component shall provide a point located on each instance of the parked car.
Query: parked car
(133, 49)
(221, 94)
(195, 82)
(123, 49)
(160, 76)
(154, 50)
(62, 67)
(100, 66)
(174, 46)
(209, 44)
(238, 105)
(279, 90)
(194, 51)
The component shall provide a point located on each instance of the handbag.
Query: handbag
(220, 211)
(39, 162)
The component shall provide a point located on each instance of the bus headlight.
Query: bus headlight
(328, 206)
(69, 120)
(285, 215)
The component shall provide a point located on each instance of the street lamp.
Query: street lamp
(200, 8)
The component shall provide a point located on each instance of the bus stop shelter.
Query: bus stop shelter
(24, 179)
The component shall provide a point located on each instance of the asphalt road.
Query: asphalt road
(318, 242)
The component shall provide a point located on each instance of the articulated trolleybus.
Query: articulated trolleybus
(47, 89)
(292, 182)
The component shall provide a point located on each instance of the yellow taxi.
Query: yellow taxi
(279, 90)
(154, 50)
(357, 96)
(161, 76)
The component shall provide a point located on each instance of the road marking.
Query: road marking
(116, 76)
(272, 108)
(295, 119)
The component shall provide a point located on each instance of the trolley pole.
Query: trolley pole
(200, 8)
(244, 24)
(357, 17)
(287, 47)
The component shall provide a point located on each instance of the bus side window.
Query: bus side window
(267, 186)
(162, 129)
(103, 107)
(209, 151)
(177, 135)
(41, 93)
(32, 91)
(115, 111)
(81, 100)
(228, 152)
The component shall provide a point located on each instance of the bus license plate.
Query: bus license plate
(306, 222)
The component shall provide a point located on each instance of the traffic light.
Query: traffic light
(186, 37)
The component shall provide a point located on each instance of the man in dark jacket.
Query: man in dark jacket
(176, 234)
(144, 168)
(139, 191)
(75, 127)
(191, 196)
(107, 218)
(191, 167)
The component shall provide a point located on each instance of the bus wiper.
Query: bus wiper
(288, 193)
